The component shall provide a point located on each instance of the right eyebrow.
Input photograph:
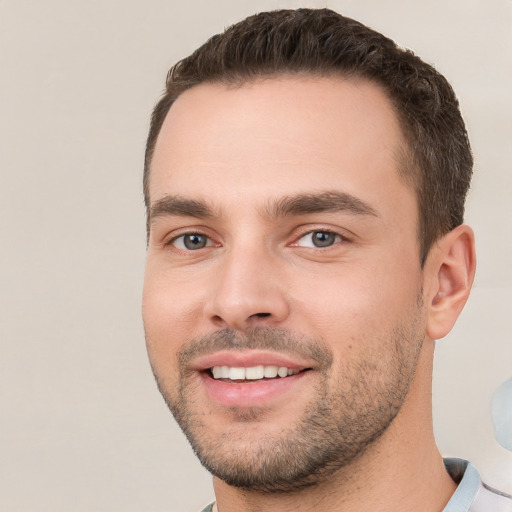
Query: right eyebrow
(181, 207)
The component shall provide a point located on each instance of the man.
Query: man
(305, 183)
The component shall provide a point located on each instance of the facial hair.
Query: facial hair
(348, 412)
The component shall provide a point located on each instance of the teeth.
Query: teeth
(270, 372)
(237, 373)
(282, 372)
(251, 373)
(254, 373)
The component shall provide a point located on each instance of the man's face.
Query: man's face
(282, 239)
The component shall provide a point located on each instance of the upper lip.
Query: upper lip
(247, 359)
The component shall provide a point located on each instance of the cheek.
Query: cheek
(356, 302)
(168, 312)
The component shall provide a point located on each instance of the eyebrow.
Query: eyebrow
(330, 202)
(288, 206)
(181, 207)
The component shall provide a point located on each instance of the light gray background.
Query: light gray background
(82, 425)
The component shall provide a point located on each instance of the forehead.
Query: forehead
(289, 134)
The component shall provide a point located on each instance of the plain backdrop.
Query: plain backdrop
(82, 426)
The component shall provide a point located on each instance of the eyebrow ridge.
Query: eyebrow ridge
(330, 201)
(180, 206)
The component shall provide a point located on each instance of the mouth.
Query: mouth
(251, 379)
(240, 374)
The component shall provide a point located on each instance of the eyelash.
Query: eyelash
(339, 238)
(172, 241)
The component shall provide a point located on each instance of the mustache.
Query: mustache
(257, 338)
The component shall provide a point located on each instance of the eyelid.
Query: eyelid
(308, 230)
(299, 233)
(174, 242)
(171, 238)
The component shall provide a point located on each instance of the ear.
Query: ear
(450, 268)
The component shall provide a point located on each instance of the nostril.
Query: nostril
(261, 315)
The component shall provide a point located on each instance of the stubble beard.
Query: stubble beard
(338, 426)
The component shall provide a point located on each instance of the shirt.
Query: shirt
(471, 495)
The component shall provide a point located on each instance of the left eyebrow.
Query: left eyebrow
(330, 201)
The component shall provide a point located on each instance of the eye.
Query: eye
(319, 239)
(191, 242)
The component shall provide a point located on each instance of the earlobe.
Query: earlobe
(451, 267)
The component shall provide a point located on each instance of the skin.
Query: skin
(239, 151)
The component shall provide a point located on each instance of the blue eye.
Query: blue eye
(319, 239)
(191, 242)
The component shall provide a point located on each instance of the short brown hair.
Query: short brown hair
(438, 160)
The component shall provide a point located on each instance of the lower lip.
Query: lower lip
(249, 394)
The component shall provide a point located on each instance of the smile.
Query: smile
(251, 373)
(252, 378)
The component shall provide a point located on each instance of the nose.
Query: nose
(247, 291)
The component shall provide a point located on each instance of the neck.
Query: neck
(402, 470)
